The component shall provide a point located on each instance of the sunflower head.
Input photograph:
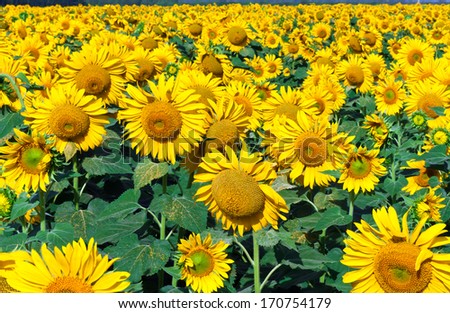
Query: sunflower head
(440, 136)
(419, 119)
(6, 202)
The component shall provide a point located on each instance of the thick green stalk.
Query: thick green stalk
(256, 272)
(42, 209)
(76, 196)
(16, 89)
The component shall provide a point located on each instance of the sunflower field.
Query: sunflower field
(225, 148)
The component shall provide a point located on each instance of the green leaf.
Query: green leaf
(437, 155)
(13, 242)
(60, 235)
(185, 212)
(332, 216)
(247, 52)
(84, 224)
(282, 183)
(147, 171)
(312, 259)
(113, 229)
(267, 238)
(98, 166)
(125, 204)
(138, 258)
(8, 121)
(21, 206)
(290, 196)
(394, 187)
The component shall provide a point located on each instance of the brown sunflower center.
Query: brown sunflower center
(212, 65)
(5, 287)
(195, 29)
(359, 168)
(353, 42)
(414, 56)
(311, 149)
(202, 262)
(355, 75)
(94, 79)
(390, 96)
(149, 43)
(287, 109)
(220, 134)
(429, 101)
(205, 94)
(69, 122)
(322, 33)
(370, 38)
(237, 35)
(245, 102)
(160, 120)
(34, 53)
(146, 69)
(424, 176)
(237, 194)
(31, 160)
(68, 285)
(395, 271)
(293, 48)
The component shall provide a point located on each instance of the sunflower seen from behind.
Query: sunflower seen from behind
(70, 117)
(238, 191)
(204, 264)
(75, 268)
(165, 123)
(27, 162)
(391, 257)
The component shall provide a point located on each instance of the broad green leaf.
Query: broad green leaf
(112, 229)
(332, 216)
(437, 155)
(290, 196)
(60, 235)
(147, 171)
(125, 204)
(140, 259)
(21, 206)
(98, 166)
(8, 121)
(267, 238)
(185, 212)
(394, 187)
(282, 183)
(312, 259)
(12, 242)
(84, 224)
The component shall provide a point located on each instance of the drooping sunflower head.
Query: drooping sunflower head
(390, 258)
(204, 265)
(429, 206)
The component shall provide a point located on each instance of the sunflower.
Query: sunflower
(321, 31)
(94, 70)
(318, 97)
(246, 96)
(238, 190)
(70, 116)
(371, 40)
(6, 203)
(425, 69)
(389, 96)
(76, 268)
(34, 52)
(309, 147)
(204, 265)
(210, 61)
(426, 95)
(205, 85)
(148, 65)
(26, 162)
(421, 180)
(272, 40)
(355, 73)
(377, 129)
(274, 65)
(291, 48)
(8, 261)
(412, 51)
(361, 170)
(165, 123)
(393, 259)
(8, 96)
(377, 65)
(236, 34)
(429, 205)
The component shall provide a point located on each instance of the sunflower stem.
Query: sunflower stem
(351, 204)
(42, 209)
(76, 196)
(245, 251)
(16, 89)
(270, 274)
(256, 273)
(162, 232)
